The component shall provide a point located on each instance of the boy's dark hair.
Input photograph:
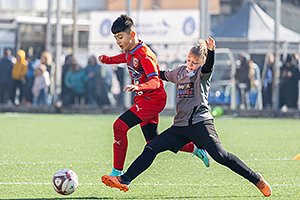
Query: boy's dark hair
(122, 24)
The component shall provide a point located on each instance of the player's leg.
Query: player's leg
(142, 110)
(219, 154)
(210, 141)
(143, 162)
(140, 164)
(148, 111)
(163, 142)
(120, 127)
(150, 131)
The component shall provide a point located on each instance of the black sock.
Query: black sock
(125, 180)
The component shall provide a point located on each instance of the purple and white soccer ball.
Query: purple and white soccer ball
(65, 181)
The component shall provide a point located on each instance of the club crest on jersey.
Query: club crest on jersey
(135, 62)
(186, 90)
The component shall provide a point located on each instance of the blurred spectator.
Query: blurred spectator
(18, 74)
(29, 79)
(40, 85)
(75, 80)
(296, 57)
(267, 81)
(120, 76)
(6, 81)
(255, 96)
(65, 68)
(103, 86)
(289, 78)
(92, 72)
(242, 77)
(248, 80)
(115, 87)
(46, 59)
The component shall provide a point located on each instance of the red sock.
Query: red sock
(120, 143)
(190, 147)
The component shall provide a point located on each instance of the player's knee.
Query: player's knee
(221, 157)
(120, 127)
(150, 151)
(149, 131)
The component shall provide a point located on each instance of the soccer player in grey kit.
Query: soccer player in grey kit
(193, 122)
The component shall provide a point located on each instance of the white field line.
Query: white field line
(23, 183)
(37, 183)
(96, 162)
(45, 163)
(140, 184)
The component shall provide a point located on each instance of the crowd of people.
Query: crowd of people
(253, 81)
(93, 84)
(29, 81)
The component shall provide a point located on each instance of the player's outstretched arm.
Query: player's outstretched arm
(211, 45)
(121, 58)
(103, 59)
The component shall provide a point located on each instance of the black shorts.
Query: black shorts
(175, 137)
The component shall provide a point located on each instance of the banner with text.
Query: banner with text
(171, 26)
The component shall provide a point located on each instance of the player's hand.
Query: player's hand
(131, 88)
(103, 59)
(210, 43)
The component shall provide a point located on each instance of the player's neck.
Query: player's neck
(134, 44)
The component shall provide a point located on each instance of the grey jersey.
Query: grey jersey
(192, 95)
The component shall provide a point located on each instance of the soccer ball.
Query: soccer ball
(65, 181)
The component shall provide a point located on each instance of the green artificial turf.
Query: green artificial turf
(34, 146)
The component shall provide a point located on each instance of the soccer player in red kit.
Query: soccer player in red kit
(148, 102)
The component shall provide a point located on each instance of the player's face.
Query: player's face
(124, 40)
(193, 62)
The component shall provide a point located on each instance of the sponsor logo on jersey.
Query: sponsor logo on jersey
(186, 90)
(135, 75)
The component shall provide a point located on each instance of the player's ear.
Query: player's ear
(132, 34)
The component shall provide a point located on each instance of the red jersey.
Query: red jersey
(142, 67)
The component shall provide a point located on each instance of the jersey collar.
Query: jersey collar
(139, 45)
(192, 73)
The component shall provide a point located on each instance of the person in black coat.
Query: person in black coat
(289, 78)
